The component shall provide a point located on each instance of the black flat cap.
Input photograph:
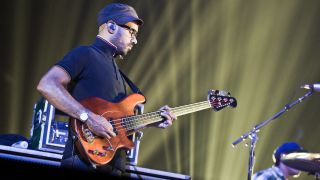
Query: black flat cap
(119, 13)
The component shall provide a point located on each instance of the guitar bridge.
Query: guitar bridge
(108, 148)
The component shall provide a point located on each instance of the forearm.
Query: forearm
(53, 85)
(56, 93)
(61, 99)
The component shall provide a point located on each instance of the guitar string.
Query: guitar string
(142, 122)
(156, 113)
(136, 121)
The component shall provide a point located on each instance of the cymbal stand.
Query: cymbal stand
(252, 134)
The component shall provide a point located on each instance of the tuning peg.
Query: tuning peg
(210, 91)
(213, 92)
(223, 93)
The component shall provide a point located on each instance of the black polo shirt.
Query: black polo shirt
(94, 73)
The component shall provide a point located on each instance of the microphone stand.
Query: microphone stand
(252, 134)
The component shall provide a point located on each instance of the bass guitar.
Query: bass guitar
(100, 151)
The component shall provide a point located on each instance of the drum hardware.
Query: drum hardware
(307, 162)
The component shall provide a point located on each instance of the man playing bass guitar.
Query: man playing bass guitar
(91, 71)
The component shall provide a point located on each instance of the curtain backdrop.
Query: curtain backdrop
(259, 51)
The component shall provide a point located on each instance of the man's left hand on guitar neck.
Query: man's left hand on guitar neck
(168, 118)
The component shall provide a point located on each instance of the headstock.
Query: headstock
(221, 99)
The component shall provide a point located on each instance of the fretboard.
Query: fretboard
(134, 123)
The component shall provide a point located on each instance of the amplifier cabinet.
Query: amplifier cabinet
(48, 132)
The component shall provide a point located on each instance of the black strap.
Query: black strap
(133, 87)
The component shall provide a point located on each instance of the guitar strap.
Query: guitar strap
(132, 155)
(132, 86)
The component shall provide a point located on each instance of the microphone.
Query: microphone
(313, 87)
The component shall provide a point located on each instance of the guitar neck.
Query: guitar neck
(135, 123)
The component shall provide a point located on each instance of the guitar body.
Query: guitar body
(95, 149)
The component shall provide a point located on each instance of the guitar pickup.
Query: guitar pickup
(96, 152)
(114, 126)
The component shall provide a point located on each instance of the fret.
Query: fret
(136, 122)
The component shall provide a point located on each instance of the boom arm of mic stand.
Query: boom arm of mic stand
(259, 126)
(253, 133)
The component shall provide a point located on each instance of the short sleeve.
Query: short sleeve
(75, 61)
